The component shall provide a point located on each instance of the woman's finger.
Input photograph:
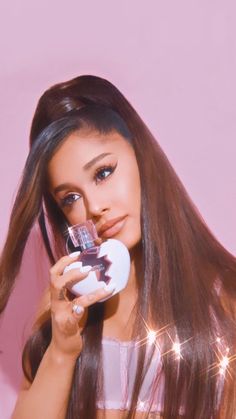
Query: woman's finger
(79, 303)
(70, 277)
(60, 284)
(61, 264)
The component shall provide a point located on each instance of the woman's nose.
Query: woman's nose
(96, 205)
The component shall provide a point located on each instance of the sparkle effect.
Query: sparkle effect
(176, 349)
(222, 365)
(152, 336)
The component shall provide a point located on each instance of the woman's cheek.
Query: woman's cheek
(76, 214)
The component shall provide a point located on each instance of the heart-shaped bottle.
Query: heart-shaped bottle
(109, 262)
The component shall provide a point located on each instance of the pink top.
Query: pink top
(119, 369)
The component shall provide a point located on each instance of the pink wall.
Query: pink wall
(175, 61)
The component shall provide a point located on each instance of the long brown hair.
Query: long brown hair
(189, 279)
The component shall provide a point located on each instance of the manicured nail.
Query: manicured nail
(85, 269)
(77, 309)
(110, 287)
(74, 254)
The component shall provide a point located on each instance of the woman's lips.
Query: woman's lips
(112, 227)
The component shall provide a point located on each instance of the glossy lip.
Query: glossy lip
(111, 227)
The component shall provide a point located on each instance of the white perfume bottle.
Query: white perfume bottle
(110, 261)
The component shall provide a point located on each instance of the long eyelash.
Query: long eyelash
(106, 167)
(63, 201)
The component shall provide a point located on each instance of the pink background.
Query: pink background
(176, 63)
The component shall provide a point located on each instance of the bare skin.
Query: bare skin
(91, 177)
(55, 372)
(97, 177)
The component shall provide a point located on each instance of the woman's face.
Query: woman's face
(95, 176)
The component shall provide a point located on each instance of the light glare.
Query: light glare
(176, 349)
(151, 336)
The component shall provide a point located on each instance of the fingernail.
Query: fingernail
(109, 287)
(77, 309)
(74, 254)
(85, 269)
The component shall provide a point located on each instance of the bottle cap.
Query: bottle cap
(83, 235)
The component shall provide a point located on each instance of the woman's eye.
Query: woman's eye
(103, 173)
(69, 199)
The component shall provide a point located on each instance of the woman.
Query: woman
(175, 321)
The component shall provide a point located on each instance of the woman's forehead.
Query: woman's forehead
(82, 139)
(79, 148)
(85, 142)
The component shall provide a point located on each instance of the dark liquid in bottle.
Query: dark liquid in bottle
(100, 264)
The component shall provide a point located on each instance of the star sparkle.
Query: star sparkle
(152, 335)
(153, 338)
(221, 367)
(176, 349)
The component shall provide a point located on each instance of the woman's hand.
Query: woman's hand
(69, 317)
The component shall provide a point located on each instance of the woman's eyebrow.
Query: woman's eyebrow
(88, 165)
